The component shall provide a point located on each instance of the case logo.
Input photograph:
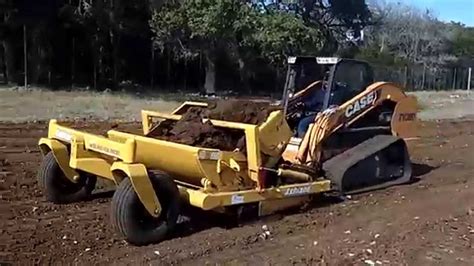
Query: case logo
(361, 104)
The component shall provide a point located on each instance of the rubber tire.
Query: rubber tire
(132, 220)
(57, 188)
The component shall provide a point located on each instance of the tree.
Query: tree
(463, 42)
(7, 33)
(408, 33)
(333, 18)
(192, 27)
(98, 26)
(280, 34)
(236, 27)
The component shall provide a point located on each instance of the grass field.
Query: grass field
(30, 105)
(20, 106)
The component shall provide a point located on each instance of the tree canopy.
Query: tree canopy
(268, 30)
(214, 44)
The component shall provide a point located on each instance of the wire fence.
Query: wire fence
(420, 77)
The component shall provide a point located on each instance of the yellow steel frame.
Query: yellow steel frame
(141, 183)
(251, 133)
(186, 105)
(61, 154)
(121, 155)
(209, 201)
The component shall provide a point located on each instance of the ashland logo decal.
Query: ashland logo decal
(361, 103)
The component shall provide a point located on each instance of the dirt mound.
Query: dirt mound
(240, 111)
(191, 130)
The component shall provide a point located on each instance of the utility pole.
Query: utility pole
(469, 76)
(454, 78)
(73, 61)
(423, 78)
(152, 68)
(405, 81)
(25, 51)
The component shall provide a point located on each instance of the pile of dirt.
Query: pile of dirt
(191, 130)
(240, 111)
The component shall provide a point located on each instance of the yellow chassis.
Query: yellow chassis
(122, 155)
(211, 178)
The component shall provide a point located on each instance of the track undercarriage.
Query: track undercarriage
(376, 163)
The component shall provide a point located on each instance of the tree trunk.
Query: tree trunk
(210, 83)
(152, 68)
(9, 50)
(244, 79)
(73, 60)
(9, 53)
(115, 59)
(39, 51)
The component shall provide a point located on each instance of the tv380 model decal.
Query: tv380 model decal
(362, 103)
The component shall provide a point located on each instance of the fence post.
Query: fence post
(454, 79)
(469, 75)
(25, 51)
(168, 67)
(95, 74)
(405, 81)
(73, 61)
(152, 68)
(424, 77)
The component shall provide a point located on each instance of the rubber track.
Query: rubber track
(336, 167)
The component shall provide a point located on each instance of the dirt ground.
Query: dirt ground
(428, 222)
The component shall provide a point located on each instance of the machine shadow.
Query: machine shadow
(421, 169)
(101, 194)
(200, 220)
(195, 220)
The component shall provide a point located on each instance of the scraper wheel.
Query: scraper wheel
(133, 221)
(57, 188)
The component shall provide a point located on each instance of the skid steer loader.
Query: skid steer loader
(334, 130)
(356, 136)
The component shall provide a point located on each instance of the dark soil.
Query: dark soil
(430, 222)
(240, 111)
(191, 130)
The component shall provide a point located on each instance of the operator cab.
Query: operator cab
(339, 81)
(347, 79)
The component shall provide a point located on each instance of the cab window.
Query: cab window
(350, 78)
